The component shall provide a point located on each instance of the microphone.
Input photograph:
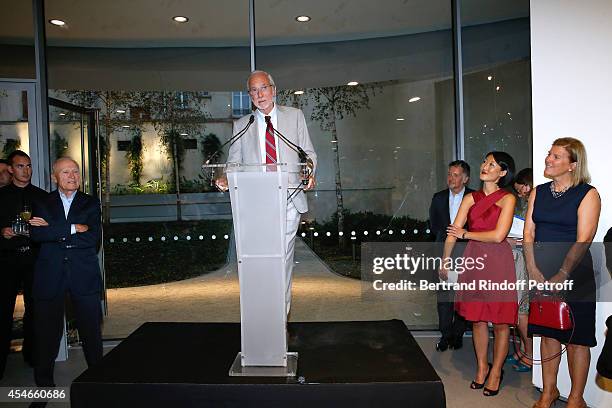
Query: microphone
(232, 139)
(302, 155)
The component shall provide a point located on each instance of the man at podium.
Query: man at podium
(275, 134)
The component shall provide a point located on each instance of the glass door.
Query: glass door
(73, 133)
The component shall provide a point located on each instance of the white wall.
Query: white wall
(571, 95)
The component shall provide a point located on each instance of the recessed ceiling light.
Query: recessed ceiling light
(180, 19)
(400, 119)
(125, 126)
(56, 22)
(497, 88)
(490, 77)
(414, 99)
(298, 93)
(353, 83)
(120, 110)
(302, 19)
(183, 134)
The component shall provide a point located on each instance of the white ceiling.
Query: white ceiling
(216, 23)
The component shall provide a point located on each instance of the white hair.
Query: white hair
(257, 72)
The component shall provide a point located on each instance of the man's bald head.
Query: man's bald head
(66, 175)
(63, 160)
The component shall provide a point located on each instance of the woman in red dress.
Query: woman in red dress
(488, 213)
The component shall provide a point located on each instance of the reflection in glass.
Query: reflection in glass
(164, 91)
(14, 130)
(497, 81)
(378, 102)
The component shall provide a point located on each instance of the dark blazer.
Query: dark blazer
(67, 261)
(439, 217)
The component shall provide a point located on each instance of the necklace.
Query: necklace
(557, 194)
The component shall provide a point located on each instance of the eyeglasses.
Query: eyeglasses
(255, 91)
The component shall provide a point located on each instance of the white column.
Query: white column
(572, 96)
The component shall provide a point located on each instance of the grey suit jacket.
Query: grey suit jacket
(292, 125)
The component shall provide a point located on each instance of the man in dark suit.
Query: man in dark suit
(443, 210)
(17, 254)
(67, 226)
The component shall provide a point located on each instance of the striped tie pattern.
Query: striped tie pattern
(270, 143)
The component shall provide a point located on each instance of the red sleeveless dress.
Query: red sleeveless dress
(493, 264)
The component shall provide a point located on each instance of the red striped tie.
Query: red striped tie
(270, 143)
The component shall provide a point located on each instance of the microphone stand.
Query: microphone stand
(302, 155)
(232, 139)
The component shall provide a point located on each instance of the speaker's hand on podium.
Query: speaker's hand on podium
(311, 183)
(221, 183)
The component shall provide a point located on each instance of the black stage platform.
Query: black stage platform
(341, 364)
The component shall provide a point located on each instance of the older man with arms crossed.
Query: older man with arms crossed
(67, 225)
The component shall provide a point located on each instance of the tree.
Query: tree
(10, 146)
(176, 114)
(212, 153)
(134, 156)
(331, 104)
(60, 145)
(113, 107)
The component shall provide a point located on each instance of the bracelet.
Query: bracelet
(563, 272)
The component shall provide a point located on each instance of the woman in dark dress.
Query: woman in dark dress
(562, 220)
(490, 213)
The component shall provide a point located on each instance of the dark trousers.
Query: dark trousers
(49, 324)
(17, 273)
(451, 324)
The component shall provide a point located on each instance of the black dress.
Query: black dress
(556, 221)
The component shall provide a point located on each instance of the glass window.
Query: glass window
(496, 80)
(164, 94)
(375, 84)
(241, 104)
(14, 129)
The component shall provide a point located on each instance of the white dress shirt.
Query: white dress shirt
(67, 202)
(454, 202)
(261, 131)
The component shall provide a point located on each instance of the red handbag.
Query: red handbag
(550, 310)
(547, 310)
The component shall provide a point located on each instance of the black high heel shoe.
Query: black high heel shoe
(476, 386)
(487, 392)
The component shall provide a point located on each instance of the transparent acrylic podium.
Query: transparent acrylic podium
(258, 194)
